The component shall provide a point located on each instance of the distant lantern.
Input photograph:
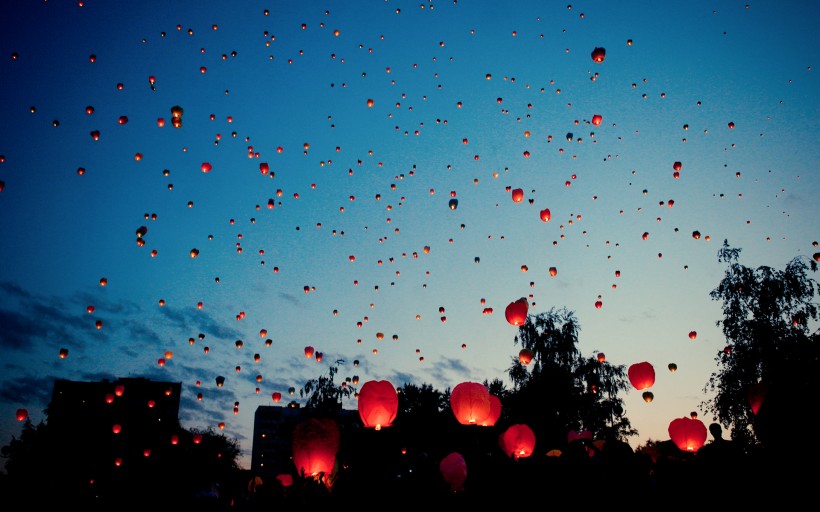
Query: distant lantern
(596, 119)
(641, 375)
(63, 353)
(291, 390)
(553, 271)
(276, 396)
(309, 351)
(672, 367)
(687, 433)
(119, 390)
(220, 381)
(453, 203)
(601, 357)
(470, 403)
(518, 441)
(22, 414)
(315, 443)
(648, 396)
(545, 215)
(378, 404)
(516, 312)
(598, 54)
(525, 356)
(517, 195)
(693, 335)
(453, 469)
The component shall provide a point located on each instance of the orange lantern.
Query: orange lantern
(309, 351)
(545, 215)
(516, 312)
(518, 441)
(641, 375)
(688, 434)
(315, 444)
(453, 469)
(601, 357)
(525, 356)
(596, 119)
(470, 402)
(518, 195)
(495, 412)
(378, 404)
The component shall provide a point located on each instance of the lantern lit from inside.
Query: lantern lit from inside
(518, 441)
(688, 434)
(756, 395)
(470, 402)
(276, 396)
(315, 444)
(378, 404)
(453, 469)
(641, 375)
(516, 312)
(525, 356)
(22, 414)
(495, 412)
(309, 351)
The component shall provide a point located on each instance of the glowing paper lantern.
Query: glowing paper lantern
(598, 54)
(378, 404)
(470, 402)
(516, 312)
(518, 441)
(22, 414)
(315, 444)
(309, 351)
(518, 195)
(276, 396)
(757, 393)
(495, 412)
(688, 434)
(525, 356)
(453, 469)
(641, 375)
(545, 215)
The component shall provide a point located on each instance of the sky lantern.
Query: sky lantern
(518, 441)
(596, 119)
(315, 444)
(378, 404)
(220, 381)
(63, 353)
(648, 396)
(693, 335)
(470, 403)
(598, 54)
(495, 412)
(641, 375)
(756, 395)
(276, 396)
(22, 414)
(453, 204)
(207, 167)
(545, 215)
(688, 434)
(517, 195)
(453, 469)
(672, 367)
(516, 311)
(309, 351)
(525, 356)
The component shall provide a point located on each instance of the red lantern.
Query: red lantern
(518, 195)
(309, 351)
(495, 412)
(525, 356)
(470, 402)
(641, 375)
(453, 469)
(598, 54)
(315, 444)
(516, 312)
(545, 215)
(378, 404)
(688, 434)
(596, 119)
(757, 393)
(276, 396)
(518, 441)
(22, 414)
(285, 479)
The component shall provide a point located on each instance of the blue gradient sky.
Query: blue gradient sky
(375, 183)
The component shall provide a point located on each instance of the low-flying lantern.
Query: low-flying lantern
(518, 441)
(453, 469)
(516, 312)
(378, 404)
(315, 443)
(641, 375)
(470, 403)
(687, 433)
(525, 356)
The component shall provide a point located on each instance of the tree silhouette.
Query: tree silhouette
(324, 396)
(769, 348)
(563, 391)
